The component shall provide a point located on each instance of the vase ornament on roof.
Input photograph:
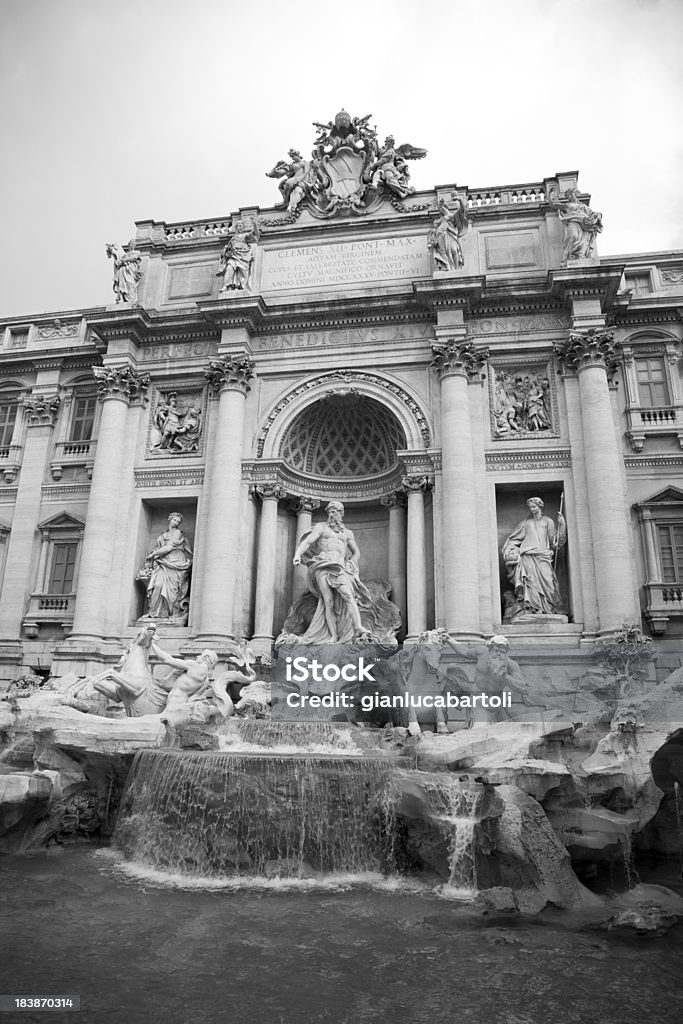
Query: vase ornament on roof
(349, 172)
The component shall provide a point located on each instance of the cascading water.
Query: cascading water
(215, 813)
(457, 805)
(248, 733)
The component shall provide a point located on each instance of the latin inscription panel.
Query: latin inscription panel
(315, 266)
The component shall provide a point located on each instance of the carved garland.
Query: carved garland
(347, 377)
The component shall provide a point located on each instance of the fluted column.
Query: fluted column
(117, 387)
(417, 555)
(229, 377)
(591, 355)
(396, 503)
(652, 574)
(270, 494)
(459, 364)
(304, 522)
(39, 415)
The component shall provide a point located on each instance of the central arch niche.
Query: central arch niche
(347, 436)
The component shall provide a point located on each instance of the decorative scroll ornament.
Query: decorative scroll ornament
(417, 483)
(230, 374)
(40, 410)
(459, 358)
(349, 172)
(304, 504)
(270, 490)
(121, 382)
(396, 499)
(590, 347)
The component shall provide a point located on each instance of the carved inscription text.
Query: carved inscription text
(375, 259)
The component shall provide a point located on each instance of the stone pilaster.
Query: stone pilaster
(396, 503)
(459, 364)
(39, 412)
(652, 573)
(415, 487)
(269, 493)
(229, 377)
(117, 387)
(591, 354)
(305, 507)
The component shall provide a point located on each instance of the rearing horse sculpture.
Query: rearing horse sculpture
(130, 681)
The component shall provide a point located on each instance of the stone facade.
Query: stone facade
(344, 362)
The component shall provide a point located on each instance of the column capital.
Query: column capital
(121, 382)
(454, 358)
(590, 347)
(40, 409)
(305, 504)
(395, 499)
(231, 373)
(270, 491)
(417, 483)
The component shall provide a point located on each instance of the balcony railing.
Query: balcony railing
(656, 421)
(73, 453)
(664, 601)
(48, 609)
(10, 462)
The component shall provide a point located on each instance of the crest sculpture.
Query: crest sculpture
(348, 172)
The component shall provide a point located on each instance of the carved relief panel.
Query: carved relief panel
(177, 420)
(522, 400)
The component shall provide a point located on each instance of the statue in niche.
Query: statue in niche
(444, 238)
(127, 272)
(332, 556)
(178, 426)
(238, 255)
(338, 607)
(581, 225)
(520, 403)
(529, 554)
(167, 574)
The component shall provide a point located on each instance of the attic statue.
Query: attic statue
(127, 272)
(581, 225)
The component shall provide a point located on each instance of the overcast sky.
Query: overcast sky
(114, 111)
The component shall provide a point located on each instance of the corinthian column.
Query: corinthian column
(417, 555)
(459, 364)
(396, 503)
(591, 355)
(117, 387)
(304, 522)
(229, 377)
(39, 415)
(270, 494)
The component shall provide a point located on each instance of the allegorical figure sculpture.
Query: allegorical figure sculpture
(179, 427)
(444, 238)
(529, 556)
(167, 571)
(331, 554)
(581, 225)
(238, 255)
(127, 272)
(391, 167)
(299, 178)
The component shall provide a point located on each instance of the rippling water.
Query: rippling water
(137, 946)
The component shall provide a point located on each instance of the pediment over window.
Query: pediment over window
(62, 521)
(669, 496)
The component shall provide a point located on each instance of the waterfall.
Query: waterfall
(679, 820)
(456, 806)
(217, 813)
(241, 733)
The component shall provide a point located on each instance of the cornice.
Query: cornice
(653, 461)
(455, 291)
(545, 458)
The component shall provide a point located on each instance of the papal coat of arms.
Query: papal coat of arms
(348, 171)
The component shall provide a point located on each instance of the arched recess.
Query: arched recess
(384, 390)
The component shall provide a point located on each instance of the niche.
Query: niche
(163, 584)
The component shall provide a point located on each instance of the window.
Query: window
(652, 384)
(639, 283)
(63, 568)
(83, 418)
(671, 551)
(8, 416)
